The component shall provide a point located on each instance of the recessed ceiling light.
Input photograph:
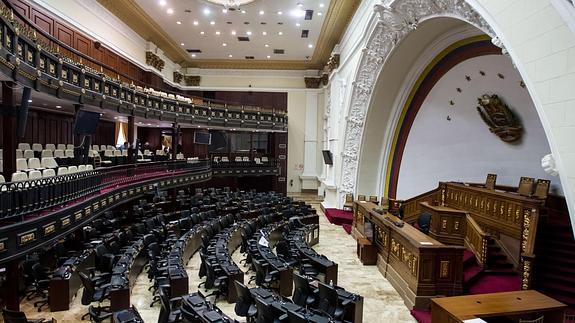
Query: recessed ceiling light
(298, 13)
(310, 46)
(196, 23)
(199, 127)
(267, 45)
(300, 4)
(116, 118)
(149, 124)
(179, 22)
(202, 33)
(261, 12)
(58, 107)
(230, 55)
(224, 44)
(297, 24)
(321, 5)
(218, 33)
(170, 11)
(29, 101)
(280, 13)
(280, 33)
(182, 44)
(212, 22)
(207, 11)
(224, 10)
(193, 55)
(264, 33)
(268, 56)
(243, 11)
(233, 32)
(319, 13)
(249, 33)
(162, 3)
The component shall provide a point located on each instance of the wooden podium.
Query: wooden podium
(366, 252)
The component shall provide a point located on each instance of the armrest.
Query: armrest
(273, 272)
(283, 318)
(346, 302)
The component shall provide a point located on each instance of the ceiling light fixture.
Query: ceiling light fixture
(280, 13)
(280, 33)
(321, 5)
(231, 4)
(162, 3)
(297, 24)
(207, 11)
(243, 11)
(202, 33)
(264, 33)
(249, 33)
(268, 56)
(224, 10)
(224, 44)
(58, 107)
(261, 12)
(170, 11)
(193, 55)
(230, 55)
(179, 22)
(319, 13)
(298, 13)
(196, 23)
(310, 46)
(218, 33)
(212, 22)
(233, 32)
(182, 44)
(300, 4)
(267, 45)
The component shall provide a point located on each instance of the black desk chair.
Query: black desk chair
(93, 293)
(329, 302)
(304, 295)
(264, 277)
(41, 285)
(20, 317)
(266, 313)
(423, 222)
(168, 312)
(246, 304)
(216, 279)
(98, 314)
(294, 317)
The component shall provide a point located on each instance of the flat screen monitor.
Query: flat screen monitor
(86, 122)
(202, 138)
(327, 157)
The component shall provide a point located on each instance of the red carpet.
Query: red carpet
(421, 316)
(340, 217)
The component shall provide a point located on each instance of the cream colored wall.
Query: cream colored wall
(296, 135)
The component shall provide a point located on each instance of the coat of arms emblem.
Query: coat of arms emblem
(500, 119)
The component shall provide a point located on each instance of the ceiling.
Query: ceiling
(177, 26)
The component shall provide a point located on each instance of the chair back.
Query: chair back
(265, 314)
(165, 309)
(525, 186)
(301, 290)
(14, 316)
(28, 153)
(327, 299)
(244, 301)
(540, 319)
(361, 197)
(490, 181)
(47, 153)
(89, 290)
(542, 188)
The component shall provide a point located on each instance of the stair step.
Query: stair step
(471, 273)
(501, 271)
(468, 258)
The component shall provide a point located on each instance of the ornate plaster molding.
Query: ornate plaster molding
(395, 21)
(548, 164)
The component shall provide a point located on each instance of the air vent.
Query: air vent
(193, 50)
(308, 14)
(279, 51)
(249, 57)
(246, 22)
(228, 22)
(304, 33)
(243, 38)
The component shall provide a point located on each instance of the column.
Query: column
(133, 150)
(9, 125)
(175, 140)
(309, 175)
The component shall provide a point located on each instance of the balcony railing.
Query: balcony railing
(30, 198)
(33, 58)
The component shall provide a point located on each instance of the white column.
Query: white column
(309, 176)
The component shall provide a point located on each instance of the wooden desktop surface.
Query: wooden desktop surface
(459, 308)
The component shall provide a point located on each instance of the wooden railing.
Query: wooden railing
(476, 240)
(412, 206)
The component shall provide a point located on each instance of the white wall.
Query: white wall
(296, 135)
(464, 149)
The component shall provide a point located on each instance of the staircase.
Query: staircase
(555, 255)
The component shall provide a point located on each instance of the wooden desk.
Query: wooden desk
(447, 224)
(63, 288)
(516, 304)
(418, 266)
(366, 252)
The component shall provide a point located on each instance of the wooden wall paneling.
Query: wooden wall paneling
(82, 43)
(22, 6)
(64, 34)
(43, 21)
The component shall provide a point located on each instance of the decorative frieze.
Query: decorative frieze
(154, 60)
(178, 77)
(192, 80)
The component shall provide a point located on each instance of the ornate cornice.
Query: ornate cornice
(395, 21)
(178, 77)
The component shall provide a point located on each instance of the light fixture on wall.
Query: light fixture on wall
(231, 4)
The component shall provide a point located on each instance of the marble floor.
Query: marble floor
(381, 302)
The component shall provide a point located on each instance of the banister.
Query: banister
(477, 240)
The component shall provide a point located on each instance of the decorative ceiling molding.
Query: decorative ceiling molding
(337, 18)
(396, 21)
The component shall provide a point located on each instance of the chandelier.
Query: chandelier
(231, 4)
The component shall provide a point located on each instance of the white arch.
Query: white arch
(494, 17)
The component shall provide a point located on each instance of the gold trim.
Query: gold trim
(337, 19)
